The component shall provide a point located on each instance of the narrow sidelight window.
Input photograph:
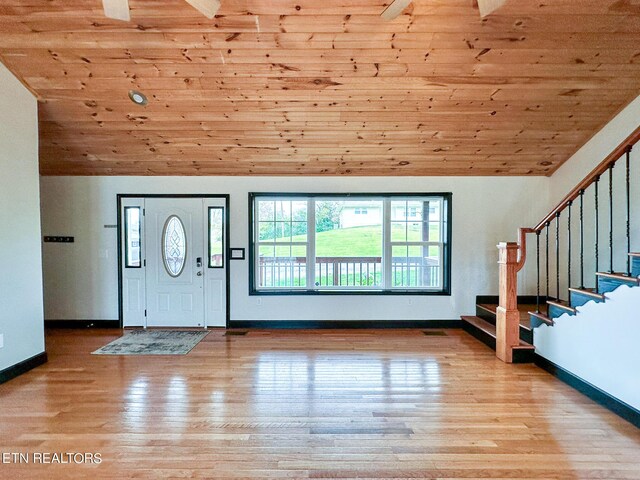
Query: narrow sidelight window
(132, 241)
(216, 237)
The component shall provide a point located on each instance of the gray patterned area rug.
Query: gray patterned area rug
(153, 342)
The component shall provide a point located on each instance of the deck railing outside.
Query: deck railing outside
(348, 272)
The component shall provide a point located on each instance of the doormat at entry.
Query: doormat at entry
(153, 342)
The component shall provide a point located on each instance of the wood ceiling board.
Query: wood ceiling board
(322, 87)
(314, 24)
(289, 60)
(330, 41)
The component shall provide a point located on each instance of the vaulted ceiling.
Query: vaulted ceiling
(321, 87)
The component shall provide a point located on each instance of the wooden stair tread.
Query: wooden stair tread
(523, 308)
(562, 304)
(634, 254)
(489, 307)
(525, 322)
(591, 292)
(490, 329)
(481, 324)
(543, 318)
(619, 276)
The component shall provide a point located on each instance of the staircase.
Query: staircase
(483, 326)
(509, 328)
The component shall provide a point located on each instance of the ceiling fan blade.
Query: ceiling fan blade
(208, 8)
(394, 9)
(116, 9)
(487, 7)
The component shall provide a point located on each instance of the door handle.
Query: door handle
(199, 274)
(199, 262)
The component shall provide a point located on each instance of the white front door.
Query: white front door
(174, 262)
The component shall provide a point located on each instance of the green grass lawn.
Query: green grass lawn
(353, 242)
(350, 242)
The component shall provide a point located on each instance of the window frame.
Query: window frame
(446, 242)
(255, 243)
(409, 215)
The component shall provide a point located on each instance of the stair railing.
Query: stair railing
(512, 256)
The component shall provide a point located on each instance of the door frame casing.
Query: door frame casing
(227, 238)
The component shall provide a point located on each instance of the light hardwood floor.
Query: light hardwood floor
(321, 404)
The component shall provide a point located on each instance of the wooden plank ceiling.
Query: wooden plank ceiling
(321, 87)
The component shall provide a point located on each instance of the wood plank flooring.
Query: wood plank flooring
(317, 404)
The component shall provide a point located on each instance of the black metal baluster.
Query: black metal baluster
(557, 255)
(546, 257)
(611, 218)
(597, 228)
(538, 271)
(628, 210)
(569, 245)
(582, 239)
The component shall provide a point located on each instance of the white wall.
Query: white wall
(599, 344)
(81, 278)
(21, 311)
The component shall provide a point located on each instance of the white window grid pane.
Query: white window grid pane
(414, 268)
(282, 271)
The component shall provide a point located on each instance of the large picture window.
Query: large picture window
(337, 243)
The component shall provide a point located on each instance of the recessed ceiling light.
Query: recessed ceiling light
(137, 97)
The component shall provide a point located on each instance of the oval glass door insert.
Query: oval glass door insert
(174, 246)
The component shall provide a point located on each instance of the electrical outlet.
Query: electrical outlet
(56, 239)
(258, 301)
(410, 301)
(1, 340)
